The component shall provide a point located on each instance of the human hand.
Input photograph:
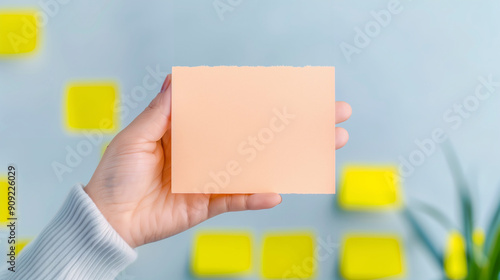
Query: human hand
(132, 184)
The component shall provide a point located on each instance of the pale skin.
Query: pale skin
(132, 184)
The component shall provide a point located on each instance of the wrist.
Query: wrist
(119, 221)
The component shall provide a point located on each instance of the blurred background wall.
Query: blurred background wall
(409, 77)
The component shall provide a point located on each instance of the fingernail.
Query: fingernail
(166, 83)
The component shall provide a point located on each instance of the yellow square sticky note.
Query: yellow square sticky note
(371, 257)
(21, 243)
(478, 237)
(18, 32)
(288, 256)
(370, 188)
(455, 259)
(253, 129)
(4, 200)
(225, 254)
(92, 106)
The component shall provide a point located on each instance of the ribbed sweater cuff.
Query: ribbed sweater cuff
(78, 243)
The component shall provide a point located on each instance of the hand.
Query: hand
(132, 184)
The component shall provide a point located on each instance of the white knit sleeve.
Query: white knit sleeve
(77, 244)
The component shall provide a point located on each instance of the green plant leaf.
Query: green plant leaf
(491, 230)
(424, 237)
(492, 269)
(466, 206)
(434, 213)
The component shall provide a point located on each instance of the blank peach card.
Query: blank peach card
(253, 129)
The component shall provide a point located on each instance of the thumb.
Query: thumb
(154, 121)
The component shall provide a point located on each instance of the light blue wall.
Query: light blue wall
(429, 57)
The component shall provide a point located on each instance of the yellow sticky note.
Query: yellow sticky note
(455, 260)
(21, 243)
(253, 129)
(371, 257)
(92, 106)
(4, 200)
(478, 237)
(370, 188)
(288, 256)
(18, 32)
(224, 254)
